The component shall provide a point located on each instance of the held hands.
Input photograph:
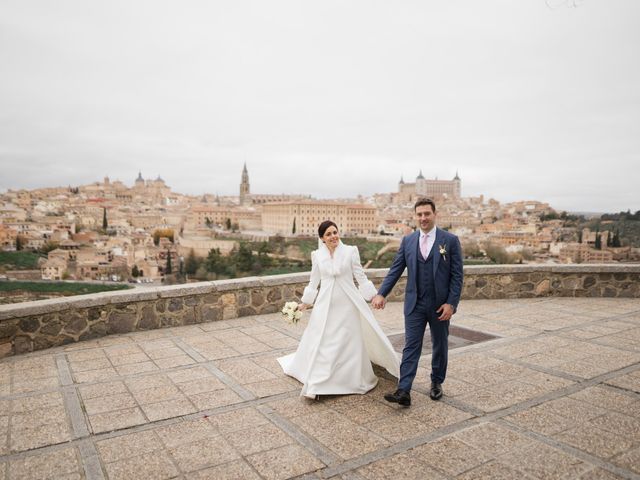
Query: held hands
(445, 311)
(378, 302)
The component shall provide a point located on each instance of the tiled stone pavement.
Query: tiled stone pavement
(556, 396)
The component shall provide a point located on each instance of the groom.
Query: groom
(433, 258)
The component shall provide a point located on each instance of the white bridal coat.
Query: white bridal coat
(342, 337)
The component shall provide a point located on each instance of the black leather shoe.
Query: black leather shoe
(400, 397)
(436, 391)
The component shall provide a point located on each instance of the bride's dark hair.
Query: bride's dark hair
(323, 227)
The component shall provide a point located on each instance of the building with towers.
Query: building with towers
(423, 187)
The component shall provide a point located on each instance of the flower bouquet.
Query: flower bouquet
(291, 313)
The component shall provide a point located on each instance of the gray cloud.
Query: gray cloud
(327, 98)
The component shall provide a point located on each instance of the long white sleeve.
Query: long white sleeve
(365, 286)
(311, 290)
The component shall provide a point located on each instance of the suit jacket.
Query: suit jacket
(447, 269)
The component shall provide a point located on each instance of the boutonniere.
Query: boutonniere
(443, 252)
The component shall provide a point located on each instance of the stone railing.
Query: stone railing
(42, 324)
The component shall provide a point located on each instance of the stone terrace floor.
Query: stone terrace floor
(557, 396)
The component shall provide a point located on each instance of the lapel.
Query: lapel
(414, 248)
(436, 250)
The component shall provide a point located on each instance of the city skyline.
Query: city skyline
(534, 101)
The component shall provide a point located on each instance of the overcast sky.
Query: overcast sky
(528, 99)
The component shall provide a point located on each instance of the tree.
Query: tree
(616, 239)
(105, 224)
(579, 235)
(227, 223)
(293, 229)
(162, 232)
(609, 240)
(191, 264)
(47, 247)
(244, 258)
(168, 269)
(21, 242)
(135, 272)
(598, 240)
(215, 262)
(208, 222)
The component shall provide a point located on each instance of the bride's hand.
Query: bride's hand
(303, 306)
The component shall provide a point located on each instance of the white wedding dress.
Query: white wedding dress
(342, 337)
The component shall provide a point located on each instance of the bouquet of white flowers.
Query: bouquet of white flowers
(291, 313)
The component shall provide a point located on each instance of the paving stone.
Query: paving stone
(34, 436)
(35, 418)
(492, 439)
(148, 466)
(189, 374)
(201, 385)
(236, 420)
(629, 460)
(156, 394)
(399, 467)
(37, 402)
(235, 470)
(296, 406)
(102, 389)
(595, 441)
(284, 462)
(101, 375)
(148, 381)
(215, 399)
(599, 474)
(171, 362)
(170, 351)
(129, 445)
(116, 420)
(109, 403)
(203, 453)
(45, 466)
(618, 424)
(186, 431)
(34, 385)
(245, 371)
(542, 461)
(268, 388)
(450, 456)
(136, 368)
(258, 439)
(175, 407)
(542, 421)
(630, 381)
(120, 360)
(493, 470)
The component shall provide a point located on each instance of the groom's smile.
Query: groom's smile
(425, 217)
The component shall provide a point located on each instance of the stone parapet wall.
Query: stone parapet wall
(42, 324)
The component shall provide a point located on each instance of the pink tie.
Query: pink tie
(423, 246)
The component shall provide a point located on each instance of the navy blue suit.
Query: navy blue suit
(431, 283)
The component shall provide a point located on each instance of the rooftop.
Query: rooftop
(557, 395)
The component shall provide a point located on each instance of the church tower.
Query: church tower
(244, 186)
(457, 184)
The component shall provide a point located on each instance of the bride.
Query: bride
(342, 337)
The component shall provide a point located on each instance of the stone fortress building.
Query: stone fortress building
(422, 187)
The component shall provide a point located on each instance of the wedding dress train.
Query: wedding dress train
(342, 337)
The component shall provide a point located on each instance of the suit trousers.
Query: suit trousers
(415, 324)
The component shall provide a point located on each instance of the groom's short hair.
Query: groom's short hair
(425, 201)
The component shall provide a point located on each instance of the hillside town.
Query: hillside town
(110, 231)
